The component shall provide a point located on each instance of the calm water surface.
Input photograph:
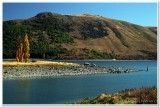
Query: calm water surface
(65, 89)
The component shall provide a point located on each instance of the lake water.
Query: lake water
(66, 89)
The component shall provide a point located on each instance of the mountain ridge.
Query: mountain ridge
(85, 14)
(89, 34)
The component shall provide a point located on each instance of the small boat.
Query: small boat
(87, 64)
(93, 65)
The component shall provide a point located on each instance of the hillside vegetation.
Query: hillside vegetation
(84, 36)
(129, 96)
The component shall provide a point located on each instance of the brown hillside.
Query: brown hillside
(125, 39)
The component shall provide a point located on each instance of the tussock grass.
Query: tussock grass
(37, 63)
(146, 95)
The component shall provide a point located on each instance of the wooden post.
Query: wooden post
(147, 68)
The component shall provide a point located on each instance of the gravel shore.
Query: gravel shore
(40, 71)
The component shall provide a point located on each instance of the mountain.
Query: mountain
(84, 36)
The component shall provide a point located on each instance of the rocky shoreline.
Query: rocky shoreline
(41, 71)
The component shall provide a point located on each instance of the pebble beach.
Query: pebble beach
(39, 70)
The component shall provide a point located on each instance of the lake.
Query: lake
(67, 89)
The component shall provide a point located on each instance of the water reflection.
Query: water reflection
(23, 89)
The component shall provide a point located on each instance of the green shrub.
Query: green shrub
(58, 36)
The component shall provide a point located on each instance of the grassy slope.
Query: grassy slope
(135, 96)
(123, 38)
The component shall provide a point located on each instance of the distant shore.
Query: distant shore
(48, 68)
(79, 60)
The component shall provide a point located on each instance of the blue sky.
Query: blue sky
(144, 14)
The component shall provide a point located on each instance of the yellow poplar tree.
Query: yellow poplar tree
(26, 48)
(19, 52)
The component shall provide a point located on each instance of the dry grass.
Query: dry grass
(146, 95)
(38, 63)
